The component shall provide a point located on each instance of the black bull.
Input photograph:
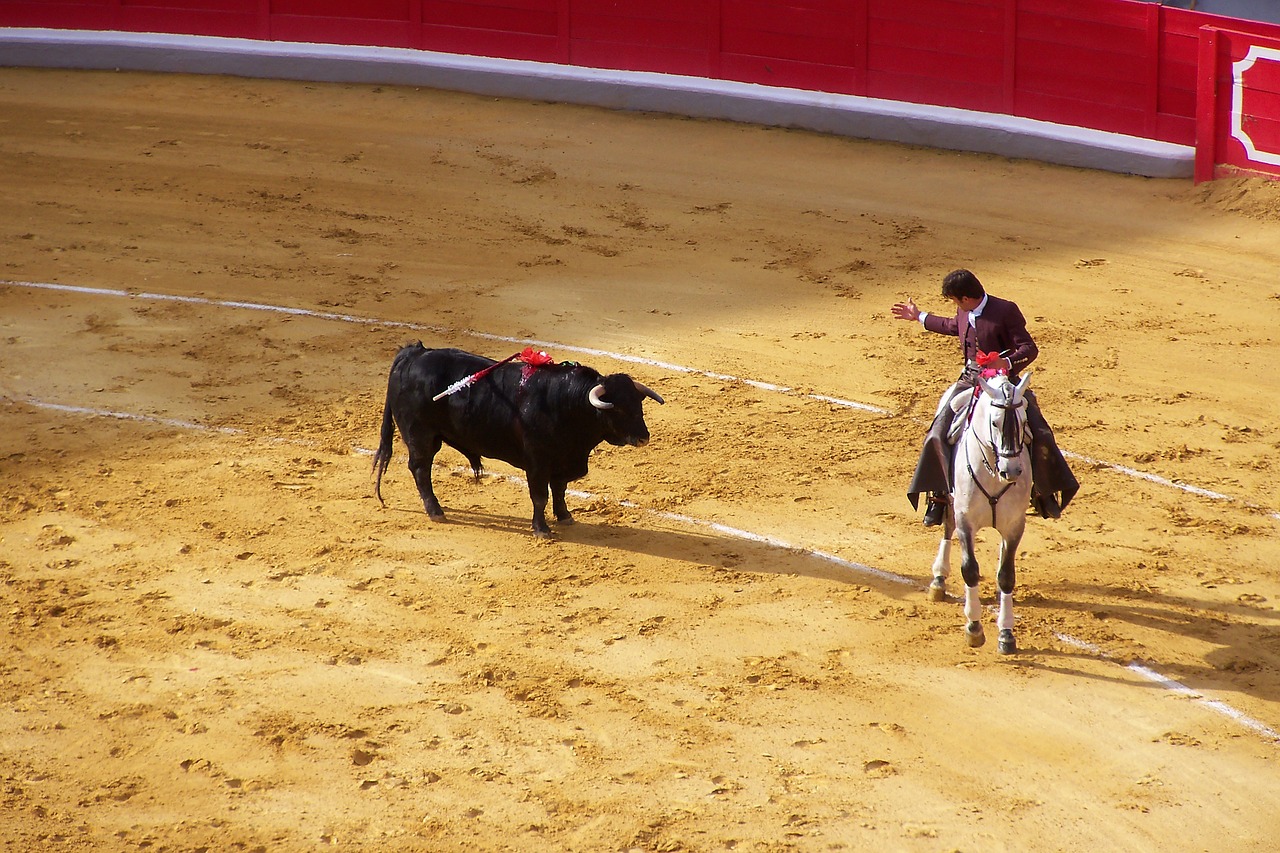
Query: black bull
(544, 421)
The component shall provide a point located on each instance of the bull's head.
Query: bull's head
(620, 399)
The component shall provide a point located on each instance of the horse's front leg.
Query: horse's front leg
(1005, 579)
(972, 600)
(942, 562)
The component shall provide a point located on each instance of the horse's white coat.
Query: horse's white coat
(992, 488)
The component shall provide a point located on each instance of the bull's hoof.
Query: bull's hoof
(435, 513)
(974, 634)
(938, 590)
(564, 519)
(1006, 643)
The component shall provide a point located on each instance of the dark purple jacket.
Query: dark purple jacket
(1000, 328)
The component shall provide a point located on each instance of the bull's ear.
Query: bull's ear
(649, 392)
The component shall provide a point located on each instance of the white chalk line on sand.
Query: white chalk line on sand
(620, 357)
(1176, 687)
(1146, 672)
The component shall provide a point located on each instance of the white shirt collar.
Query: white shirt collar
(973, 315)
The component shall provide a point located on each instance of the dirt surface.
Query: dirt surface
(215, 639)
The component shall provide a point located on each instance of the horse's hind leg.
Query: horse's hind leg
(972, 601)
(1005, 579)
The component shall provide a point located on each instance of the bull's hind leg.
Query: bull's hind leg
(421, 457)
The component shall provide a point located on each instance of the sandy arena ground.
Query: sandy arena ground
(214, 638)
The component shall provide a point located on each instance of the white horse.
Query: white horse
(992, 489)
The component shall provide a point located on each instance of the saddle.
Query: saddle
(959, 403)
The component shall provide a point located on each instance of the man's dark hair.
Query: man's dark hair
(961, 283)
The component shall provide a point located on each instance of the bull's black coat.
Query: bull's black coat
(541, 420)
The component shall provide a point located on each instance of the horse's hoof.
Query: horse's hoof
(973, 633)
(938, 590)
(1007, 644)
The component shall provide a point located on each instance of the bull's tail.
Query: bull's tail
(382, 458)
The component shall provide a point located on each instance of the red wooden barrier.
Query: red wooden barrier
(1239, 122)
(1113, 65)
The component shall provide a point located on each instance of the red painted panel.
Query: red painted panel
(1124, 13)
(661, 35)
(633, 57)
(60, 16)
(781, 72)
(354, 31)
(820, 51)
(938, 38)
(501, 45)
(245, 7)
(1259, 98)
(660, 10)
(1178, 129)
(1105, 36)
(1081, 113)
(929, 90)
(822, 20)
(1182, 21)
(541, 17)
(971, 70)
(386, 10)
(1238, 105)
(1178, 102)
(957, 14)
(183, 21)
(1083, 73)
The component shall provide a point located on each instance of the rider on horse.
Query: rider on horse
(985, 324)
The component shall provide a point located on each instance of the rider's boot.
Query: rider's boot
(1046, 505)
(936, 509)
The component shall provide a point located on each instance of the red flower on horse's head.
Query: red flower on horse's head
(986, 360)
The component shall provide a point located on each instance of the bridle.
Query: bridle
(1011, 447)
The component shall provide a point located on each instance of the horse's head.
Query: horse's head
(1003, 408)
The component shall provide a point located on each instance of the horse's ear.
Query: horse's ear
(988, 390)
(1023, 382)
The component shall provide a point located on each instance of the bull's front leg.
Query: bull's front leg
(558, 506)
(538, 485)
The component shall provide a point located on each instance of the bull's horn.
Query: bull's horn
(594, 397)
(649, 392)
